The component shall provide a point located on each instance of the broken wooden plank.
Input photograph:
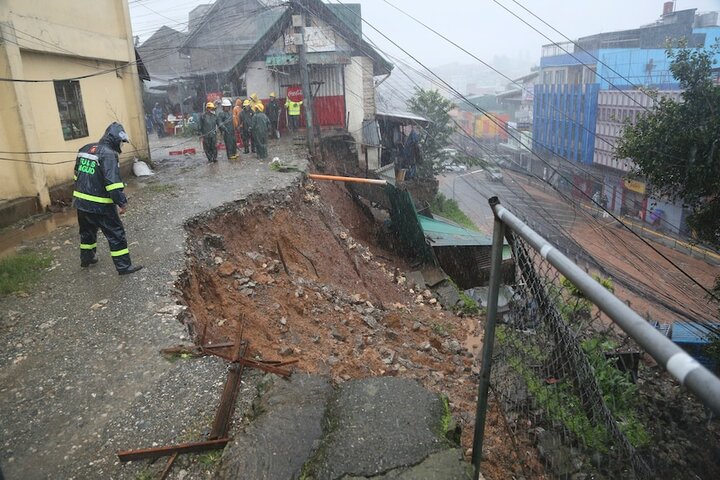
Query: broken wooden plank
(226, 408)
(168, 466)
(219, 345)
(157, 452)
(182, 350)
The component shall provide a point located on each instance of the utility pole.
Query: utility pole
(305, 77)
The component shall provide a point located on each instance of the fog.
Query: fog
(483, 27)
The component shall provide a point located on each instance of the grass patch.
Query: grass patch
(210, 458)
(448, 208)
(20, 271)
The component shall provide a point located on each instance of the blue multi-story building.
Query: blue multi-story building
(589, 87)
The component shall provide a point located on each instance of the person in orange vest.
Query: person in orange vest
(293, 111)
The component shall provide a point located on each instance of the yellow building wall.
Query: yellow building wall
(104, 101)
(63, 39)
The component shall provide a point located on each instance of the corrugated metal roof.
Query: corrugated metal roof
(687, 332)
(399, 115)
(443, 234)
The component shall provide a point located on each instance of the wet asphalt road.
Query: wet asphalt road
(80, 371)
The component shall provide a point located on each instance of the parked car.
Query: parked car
(456, 168)
(494, 174)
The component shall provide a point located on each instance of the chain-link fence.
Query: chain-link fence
(580, 391)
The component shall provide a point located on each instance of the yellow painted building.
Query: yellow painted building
(69, 70)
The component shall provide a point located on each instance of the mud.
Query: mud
(289, 273)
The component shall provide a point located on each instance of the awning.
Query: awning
(405, 117)
(444, 234)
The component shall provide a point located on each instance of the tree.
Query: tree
(433, 106)
(676, 146)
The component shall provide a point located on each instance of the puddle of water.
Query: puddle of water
(13, 237)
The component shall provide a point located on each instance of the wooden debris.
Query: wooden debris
(157, 452)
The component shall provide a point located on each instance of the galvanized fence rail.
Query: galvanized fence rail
(588, 383)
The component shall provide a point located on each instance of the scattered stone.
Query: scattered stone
(218, 260)
(337, 335)
(214, 240)
(333, 360)
(370, 321)
(283, 321)
(416, 326)
(416, 280)
(226, 269)
(356, 298)
(425, 346)
(286, 350)
(173, 310)
(99, 304)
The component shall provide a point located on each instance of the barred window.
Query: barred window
(70, 106)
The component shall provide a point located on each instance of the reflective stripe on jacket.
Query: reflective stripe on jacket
(98, 185)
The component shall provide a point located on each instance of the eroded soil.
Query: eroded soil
(288, 275)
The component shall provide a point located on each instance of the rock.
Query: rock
(370, 321)
(248, 272)
(432, 301)
(286, 350)
(173, 310)
(427, 293)
(416, 280)
(214, 240)
(333, 360)
(424, 347)
(447, 295)
(255, 256)
(218, 260)
(356, 298)
(416, 326)
(226, 269)
(99, 304)
(337, 335)
(283, 321)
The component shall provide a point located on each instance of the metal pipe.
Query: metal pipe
(373, 181)
(488, 341)
(674, 359)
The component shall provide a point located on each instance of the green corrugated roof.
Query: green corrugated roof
(444, 234)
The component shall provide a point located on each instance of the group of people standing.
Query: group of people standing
(246, 121)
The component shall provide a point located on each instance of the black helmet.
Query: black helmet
(114, 136)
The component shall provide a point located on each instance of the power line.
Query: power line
(665, 257)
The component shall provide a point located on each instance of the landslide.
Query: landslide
(288, 273)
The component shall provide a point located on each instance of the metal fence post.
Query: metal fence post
(488, 339)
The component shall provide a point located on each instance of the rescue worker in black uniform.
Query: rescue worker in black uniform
(273, 114)
(99, 199)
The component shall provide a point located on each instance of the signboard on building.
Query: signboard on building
(634, 185)
(294, 93)
(320, 39)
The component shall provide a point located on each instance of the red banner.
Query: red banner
(295, 94)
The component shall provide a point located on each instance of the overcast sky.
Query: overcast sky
(481, 26)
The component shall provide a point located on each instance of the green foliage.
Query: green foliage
(433, 106)
(576, 306)
(20, 271)
(562, 404)
(676, 145)
(210, 458)
(469, 306)
(448, 208)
